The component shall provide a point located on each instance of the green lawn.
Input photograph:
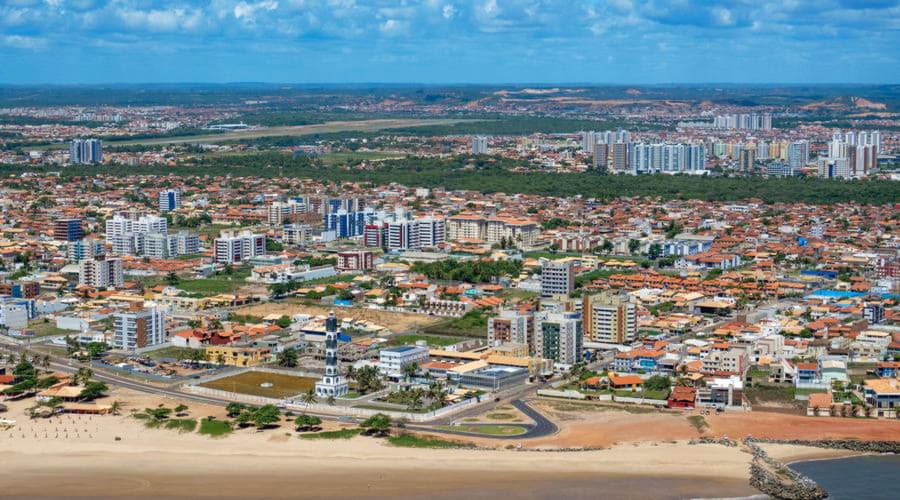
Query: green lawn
(210, 286)
(340, 278)
(341, 434)
(215, 428)
(473, 324)
(178, 353)
(411, 441)
(432, 340)
(43, 328)
(283, 386)
(487, 430)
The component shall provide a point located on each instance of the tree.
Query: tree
(330, 400)
(309, 397)
(283, 322)
(82, 376)
(234, 409)
(633, 246)
(410, 370)
(116, 407)
(438, 393)
(94, 349)
(288, 358)
(307, 423)
(607, 246)
(180, 409)
(658, 383)
(158, 413)
(92, 391)
(378, 424)
(25, 371)
(195, 356)
(265, 416)
(368, 380)
(172, 279)
(655, 251)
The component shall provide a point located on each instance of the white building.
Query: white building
(169, 200)
(120, 225)
(233, 247)
(392, 359)
(557, 278)
(137, 329)
(558, 336)
(101, 273)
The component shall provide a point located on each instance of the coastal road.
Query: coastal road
(542, 425)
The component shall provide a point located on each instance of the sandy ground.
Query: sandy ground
(74, 456)
(396, 322)
(602, 426)
(79, 456)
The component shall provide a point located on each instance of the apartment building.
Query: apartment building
(67, 230)
(122, 224)
(511, 326)
(521, 232)
(559, 337)
(557, 278)
(609, 318)
(101, 272)
(296, 234)
(355, 261)
(169, 200)
(235, 247)
(139, 327)
(392, 359)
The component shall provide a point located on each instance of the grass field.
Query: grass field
(170, 352)
(341, 434)
(487, 430)
(412, 441)
(215, 428)
(283, 386)
(47, 329)
(211, 286)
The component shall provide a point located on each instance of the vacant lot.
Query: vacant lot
(396, 322)
(283, 386)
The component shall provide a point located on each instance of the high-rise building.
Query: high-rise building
(101, 272)
(743, 121)
(798, 154)
(745, 160)
(67, 230)
(235, 247)
(479, 145)
(122, 224)
(559, 337)
(332, 383)
(601, 155)
(86, 248)
(609, 318)
(295, 234)
(360, 260)
(139, 327)
(169, 200)
(557, 278)
(619, 156)
(511, 326)
(281, 212)
(85, 151)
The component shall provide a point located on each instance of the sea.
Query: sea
(869, 477)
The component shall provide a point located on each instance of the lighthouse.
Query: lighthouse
(332, 383)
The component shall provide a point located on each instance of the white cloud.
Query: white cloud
(24, 42)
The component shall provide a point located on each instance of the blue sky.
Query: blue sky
(439, 41)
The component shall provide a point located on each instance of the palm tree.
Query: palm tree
(309, 397)
(116, 407)
(415, 400)
(330, 400)
(438, 394)
(83, 376)
(351, 373)
(45, 361)
(410, 370)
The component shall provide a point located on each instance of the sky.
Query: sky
(450, 41)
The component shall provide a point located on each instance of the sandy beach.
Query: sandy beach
(79, 456)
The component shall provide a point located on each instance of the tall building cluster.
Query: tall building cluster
(666, 158)
(85, 151)
(479, 145)
(743, 121)
(851, 155)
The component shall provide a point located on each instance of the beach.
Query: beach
(79, 456)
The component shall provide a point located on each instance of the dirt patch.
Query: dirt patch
(396, 322)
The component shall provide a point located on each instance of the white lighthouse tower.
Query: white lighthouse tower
(332, 384)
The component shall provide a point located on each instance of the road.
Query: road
(542, 426)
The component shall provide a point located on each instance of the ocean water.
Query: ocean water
(871, 477)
